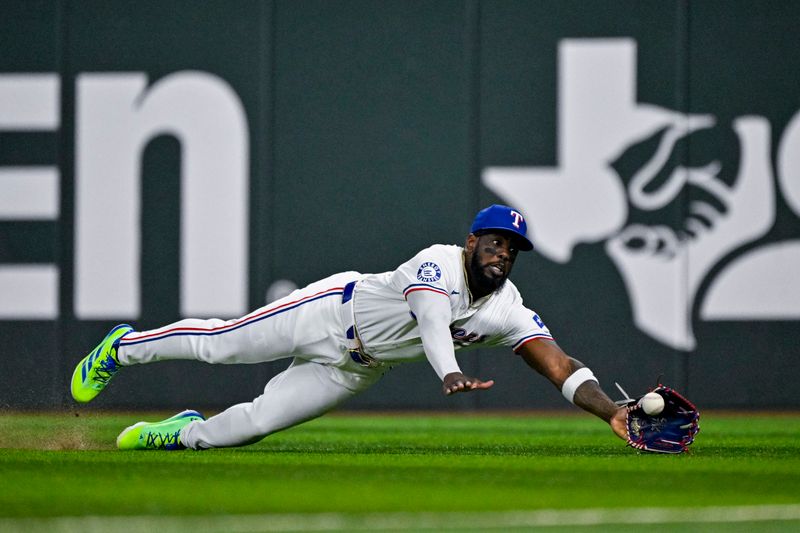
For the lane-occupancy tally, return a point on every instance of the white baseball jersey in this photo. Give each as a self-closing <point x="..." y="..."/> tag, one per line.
<point x="388" y="330"/>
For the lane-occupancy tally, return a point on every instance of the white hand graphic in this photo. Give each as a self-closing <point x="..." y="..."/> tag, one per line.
<point x="655" y="262"/>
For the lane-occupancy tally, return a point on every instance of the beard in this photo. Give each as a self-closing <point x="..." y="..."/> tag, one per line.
<point x="481" y="279"/>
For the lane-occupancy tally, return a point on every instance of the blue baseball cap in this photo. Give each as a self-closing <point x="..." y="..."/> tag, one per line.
<point x="502" y="217"/>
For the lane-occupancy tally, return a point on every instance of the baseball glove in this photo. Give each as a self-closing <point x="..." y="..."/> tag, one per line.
<point x="670" y="431"/>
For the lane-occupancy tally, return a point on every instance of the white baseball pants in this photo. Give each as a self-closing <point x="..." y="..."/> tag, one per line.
<point x="306" y="325"/>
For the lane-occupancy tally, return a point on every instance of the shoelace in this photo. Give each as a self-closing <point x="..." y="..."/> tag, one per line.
<point x="106" y="370"/>
<point x="160" y="441"/>
<point x="627" y="398"/>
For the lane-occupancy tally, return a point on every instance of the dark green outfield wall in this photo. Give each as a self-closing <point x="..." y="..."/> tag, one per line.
<point x="168" y="159"/>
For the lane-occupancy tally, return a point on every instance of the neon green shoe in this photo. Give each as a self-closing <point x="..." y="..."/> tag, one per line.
<point x="164" y="435"/>
<point x="96" y="369"/>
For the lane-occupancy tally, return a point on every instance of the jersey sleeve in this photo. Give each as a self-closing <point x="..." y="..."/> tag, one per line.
<point x="433" y="319"/>
<point x="523" y="326"/>
<point x="429" y="270"/>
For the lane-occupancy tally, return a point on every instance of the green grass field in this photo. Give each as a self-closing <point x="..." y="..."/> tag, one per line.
<point x="402" y="472"/>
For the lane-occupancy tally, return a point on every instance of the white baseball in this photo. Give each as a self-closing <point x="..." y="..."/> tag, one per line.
<point x="652" y="403"/>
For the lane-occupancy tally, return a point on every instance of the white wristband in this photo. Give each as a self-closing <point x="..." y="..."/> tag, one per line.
<point x="575" y="380"/>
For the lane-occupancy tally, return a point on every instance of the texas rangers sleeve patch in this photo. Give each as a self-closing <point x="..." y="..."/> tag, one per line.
<point x="429" y="272"/>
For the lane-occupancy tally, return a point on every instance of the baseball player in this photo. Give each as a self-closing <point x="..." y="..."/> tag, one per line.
<point x="345" y="331"/>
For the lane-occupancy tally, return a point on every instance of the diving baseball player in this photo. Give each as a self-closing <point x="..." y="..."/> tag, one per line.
<point x="345" y="331"/>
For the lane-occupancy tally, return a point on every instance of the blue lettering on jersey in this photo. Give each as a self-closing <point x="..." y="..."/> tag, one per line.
<point x="429" y="272"/>
<point x="460" y="336"/>
<point x="538" y="321"/>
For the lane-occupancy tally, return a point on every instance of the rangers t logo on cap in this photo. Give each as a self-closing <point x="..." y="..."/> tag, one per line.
<point x="517" y="218"/>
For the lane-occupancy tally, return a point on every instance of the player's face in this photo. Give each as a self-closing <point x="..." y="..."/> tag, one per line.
<point x="492" y="257"/>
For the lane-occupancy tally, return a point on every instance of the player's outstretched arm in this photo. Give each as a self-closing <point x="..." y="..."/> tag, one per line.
<point x="433" y="314"/>
<point x="575" y="381"/>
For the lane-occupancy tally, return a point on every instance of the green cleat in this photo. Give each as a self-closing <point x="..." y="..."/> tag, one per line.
<point x="96" y="369"/>
<point x="164" y="435"/>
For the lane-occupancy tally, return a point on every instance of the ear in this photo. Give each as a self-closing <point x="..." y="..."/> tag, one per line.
<point x="470" y="243"/>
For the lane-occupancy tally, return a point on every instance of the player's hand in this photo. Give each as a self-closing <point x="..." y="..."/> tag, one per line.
<point x="619" y="423"/>
<point x="458" y="382"/>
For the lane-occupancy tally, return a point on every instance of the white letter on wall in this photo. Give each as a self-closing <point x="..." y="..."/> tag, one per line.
<point x="29" y="102"/>
<point x="117" y="115"/>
